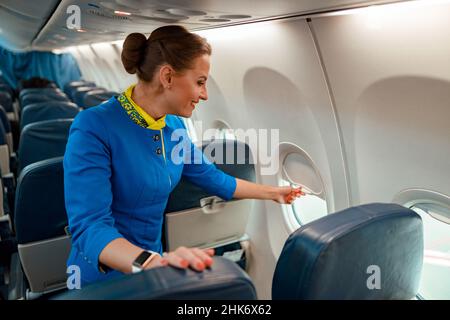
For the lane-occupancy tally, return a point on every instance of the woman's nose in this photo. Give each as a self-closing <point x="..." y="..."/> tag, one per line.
<point x="204" y="93"/>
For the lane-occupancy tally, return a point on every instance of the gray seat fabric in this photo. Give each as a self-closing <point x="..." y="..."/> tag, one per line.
<point x="341" y="255"/>
<point x="43" y="140"/>
<point x="48" y="111"/>
<point x="223" y="281"/>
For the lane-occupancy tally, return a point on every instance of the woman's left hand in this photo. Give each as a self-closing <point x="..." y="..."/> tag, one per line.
<point x="287" y="195"/>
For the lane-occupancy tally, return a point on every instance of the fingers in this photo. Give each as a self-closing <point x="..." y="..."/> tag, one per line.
<point x="294" y="194"/>
<point x="158" y="262"/>
<point x="195" y="258"/>
<point x="176" y="260"/>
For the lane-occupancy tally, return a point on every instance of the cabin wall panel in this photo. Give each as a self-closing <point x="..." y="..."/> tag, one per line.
<point x="268" y="76"/>
<point x="389" y="73"/>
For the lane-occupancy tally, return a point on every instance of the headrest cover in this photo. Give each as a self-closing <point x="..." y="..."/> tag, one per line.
<point x="372" y="251"/>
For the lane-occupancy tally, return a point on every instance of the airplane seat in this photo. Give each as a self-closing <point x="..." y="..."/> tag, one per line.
<point x="96" y="97"/>
<point x="195" y="218"/>
<point x="7" y="126"/>
<point x="40" y="222"/>
<point x="7" y="103"/>
<point x="45" y="91"/>
<point x="48" y="111"/>
<point x="372" y="251"/>
<point x="4" y="152"/>
<point x="79" y="93"/>
<point x="223" y="281"/>
<point x="71" y="86"/>
<point x="6" y="88"/>
<point x="43" y="140"/>
<point x="41" y="97"/>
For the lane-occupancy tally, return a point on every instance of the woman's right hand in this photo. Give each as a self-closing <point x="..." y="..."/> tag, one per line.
<point x="195" y="258"/>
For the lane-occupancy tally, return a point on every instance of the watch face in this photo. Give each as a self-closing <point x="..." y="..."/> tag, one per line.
<point x="142" y="258"/>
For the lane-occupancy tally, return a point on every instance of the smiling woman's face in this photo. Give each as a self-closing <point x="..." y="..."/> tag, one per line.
<point x="189" y="87"/>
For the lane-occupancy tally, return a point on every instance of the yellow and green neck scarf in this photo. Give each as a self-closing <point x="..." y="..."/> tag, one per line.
<point x="137" y="114"/>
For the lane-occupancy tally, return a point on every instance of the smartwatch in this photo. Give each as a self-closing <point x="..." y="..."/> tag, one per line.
<point x="142" y="260"/>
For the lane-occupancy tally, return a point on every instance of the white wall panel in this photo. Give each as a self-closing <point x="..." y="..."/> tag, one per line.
<point x="390" y="75"/>
<point x="268" y="76"/>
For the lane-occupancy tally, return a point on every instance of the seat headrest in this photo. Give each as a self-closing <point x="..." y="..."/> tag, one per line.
<point x="187" y="195"/>
<point x="25" y="92"/>
<point x="39" y="97"/>
<point x="43" y="140"/>
<point x="40" y="212"/>
<point x="223" y="281"/>
<point x="96" y="97"/>
<point x="48" y="111"/>
<point x="372" y="251"/>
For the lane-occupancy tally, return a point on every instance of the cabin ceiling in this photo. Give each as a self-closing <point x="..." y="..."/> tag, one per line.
<point x="42" y="25"/>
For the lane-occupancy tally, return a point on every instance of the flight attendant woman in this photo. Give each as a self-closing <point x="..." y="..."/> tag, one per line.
<point x="118" y="169"/>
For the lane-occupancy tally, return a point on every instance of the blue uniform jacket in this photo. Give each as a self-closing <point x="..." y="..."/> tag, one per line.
<point x="117" y="181"/>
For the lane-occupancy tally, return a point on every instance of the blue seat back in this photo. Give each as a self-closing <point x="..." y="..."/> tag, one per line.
<point x="4" y="120"/>
<point x="40" y="97"/>
<point x="186" y="195"/>
<point x="6" y="88"/>
<point x="40" y="212"/>
<point x="96" y="97"/>
<point x="71" y="87"/>
<point x="43" y="140"/>
<point x="6" y="101"/>
<point x="45" y="91"/>
<point x="48" y="111"/>
<point x="79" y="93"/>
<point x="372" y="251"/>
<point x="40" y="220"/>
<point x="223" y="281"/>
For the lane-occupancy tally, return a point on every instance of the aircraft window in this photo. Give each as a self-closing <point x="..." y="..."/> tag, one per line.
<point x="299" y="170"/>
<point x="435" y="282"/>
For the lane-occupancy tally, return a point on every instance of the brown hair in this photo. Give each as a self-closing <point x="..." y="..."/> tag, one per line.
<point x="169" y="44"/>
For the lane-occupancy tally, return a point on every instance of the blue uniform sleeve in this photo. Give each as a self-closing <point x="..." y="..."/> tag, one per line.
<point x="87" y="186"/>
<point x="199" y="170"/>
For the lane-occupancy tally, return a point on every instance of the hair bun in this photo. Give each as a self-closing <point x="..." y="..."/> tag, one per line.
<point x="133" y="51"/>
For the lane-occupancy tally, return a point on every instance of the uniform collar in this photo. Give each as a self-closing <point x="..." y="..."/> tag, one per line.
<point x="137" y="114"/>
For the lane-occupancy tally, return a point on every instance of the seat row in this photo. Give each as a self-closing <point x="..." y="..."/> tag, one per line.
<point x="42" y="118"/>
<point x="330" y="258"/>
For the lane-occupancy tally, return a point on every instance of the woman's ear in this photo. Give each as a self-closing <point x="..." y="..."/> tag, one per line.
<point x="166" y="74"/>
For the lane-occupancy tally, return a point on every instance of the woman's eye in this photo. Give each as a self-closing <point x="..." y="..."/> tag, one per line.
<point x="200" y="83"/>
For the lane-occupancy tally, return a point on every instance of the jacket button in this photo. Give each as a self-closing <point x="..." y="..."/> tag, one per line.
<point x="158" y="151"/>
<point x="156" y="137"/>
